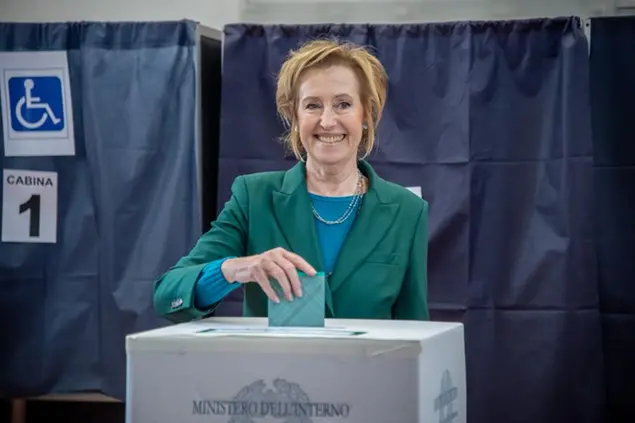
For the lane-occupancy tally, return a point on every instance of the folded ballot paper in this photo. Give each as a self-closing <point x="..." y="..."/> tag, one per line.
<point x="305" y="311"/>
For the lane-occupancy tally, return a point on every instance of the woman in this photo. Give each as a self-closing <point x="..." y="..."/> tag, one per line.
<point x="331" y="212"/>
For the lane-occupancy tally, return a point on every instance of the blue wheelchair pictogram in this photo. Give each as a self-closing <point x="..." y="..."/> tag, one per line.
<point x="36" y="104"/>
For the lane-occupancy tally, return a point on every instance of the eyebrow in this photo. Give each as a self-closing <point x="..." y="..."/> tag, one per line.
<point x="309" y="98"/>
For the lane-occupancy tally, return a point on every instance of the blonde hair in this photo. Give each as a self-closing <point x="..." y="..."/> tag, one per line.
<point x="371" y="75"/>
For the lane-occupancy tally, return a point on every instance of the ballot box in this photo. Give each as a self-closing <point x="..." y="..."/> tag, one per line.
<point x="239" y="370"/>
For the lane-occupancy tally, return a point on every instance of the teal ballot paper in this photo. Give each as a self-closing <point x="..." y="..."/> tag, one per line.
<point x="305" y="311"/>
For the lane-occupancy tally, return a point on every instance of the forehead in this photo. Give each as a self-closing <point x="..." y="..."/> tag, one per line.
<point x="328" y="82"/>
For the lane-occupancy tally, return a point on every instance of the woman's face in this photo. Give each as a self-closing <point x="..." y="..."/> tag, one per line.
<point x="330" y="114"/>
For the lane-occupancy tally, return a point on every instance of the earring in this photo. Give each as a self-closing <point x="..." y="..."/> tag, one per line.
<point x="364" y="126"/>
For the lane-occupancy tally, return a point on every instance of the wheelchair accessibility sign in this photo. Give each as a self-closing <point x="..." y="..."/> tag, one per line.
<point x="36" y="104"/>
<point x="31" y="112"/>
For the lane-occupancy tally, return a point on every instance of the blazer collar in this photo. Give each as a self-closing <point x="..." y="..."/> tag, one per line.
<point x="295" y="178"/>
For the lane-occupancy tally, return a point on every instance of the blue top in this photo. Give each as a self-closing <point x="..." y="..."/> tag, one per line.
<point x="212" y="286"/>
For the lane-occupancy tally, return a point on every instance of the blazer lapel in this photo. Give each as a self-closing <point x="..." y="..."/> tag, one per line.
<point x="375" y="217"/>
<point x="292" y="208"/>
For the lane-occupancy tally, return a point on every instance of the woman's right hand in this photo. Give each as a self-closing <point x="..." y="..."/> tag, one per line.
<point x="278" y="263"/>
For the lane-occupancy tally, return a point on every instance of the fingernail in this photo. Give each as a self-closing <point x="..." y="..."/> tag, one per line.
<point x="299" y="293"/>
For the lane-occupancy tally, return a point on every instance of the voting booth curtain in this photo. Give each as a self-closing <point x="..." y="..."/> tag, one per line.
<point x="491" y="121"/>
<point x="125" y="205"/>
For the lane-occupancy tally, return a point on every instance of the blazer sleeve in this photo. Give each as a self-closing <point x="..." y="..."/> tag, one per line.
<point x="412" y="303"/>
<point x="174" y="291"/>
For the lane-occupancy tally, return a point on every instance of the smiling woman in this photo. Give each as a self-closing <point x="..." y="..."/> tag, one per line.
<point x="330" y="213"/>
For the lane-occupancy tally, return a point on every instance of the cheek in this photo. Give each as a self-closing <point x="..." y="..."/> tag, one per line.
<point x="306" y="129"/>
<point x="354" y="129"/>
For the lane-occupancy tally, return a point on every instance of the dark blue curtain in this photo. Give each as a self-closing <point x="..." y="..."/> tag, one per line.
<point x="612" y="94"/>
<point x="492" y="120"/>
<point x="128" y="206"/>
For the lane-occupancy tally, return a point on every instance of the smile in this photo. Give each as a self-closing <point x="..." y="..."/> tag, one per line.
<point x="330" y="139"/>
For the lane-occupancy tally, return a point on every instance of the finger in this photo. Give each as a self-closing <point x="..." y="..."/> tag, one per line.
<point x="261" y="278"/>
<point x="300" y="263"/>
<point x="292" y="275"/>
<point x="272" y="269"/>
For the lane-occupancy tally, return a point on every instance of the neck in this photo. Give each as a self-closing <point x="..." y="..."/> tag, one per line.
<point x="331" y="180"/>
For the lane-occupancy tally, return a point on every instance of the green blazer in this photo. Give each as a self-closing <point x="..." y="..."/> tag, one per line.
<point x="381" y="272"/>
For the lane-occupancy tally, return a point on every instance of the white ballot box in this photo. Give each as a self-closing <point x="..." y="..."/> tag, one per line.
<point x="238" y="370"/>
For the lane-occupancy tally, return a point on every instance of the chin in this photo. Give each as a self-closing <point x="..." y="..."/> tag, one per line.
<point x="331" y="158"/>
<point x="333" y="153"/>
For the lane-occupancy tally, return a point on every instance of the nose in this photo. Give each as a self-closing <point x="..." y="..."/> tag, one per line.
<point x="327" y="119"/>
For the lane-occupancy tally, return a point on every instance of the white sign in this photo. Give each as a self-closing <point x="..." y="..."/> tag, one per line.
<point x="415" y="190"/>
<point x="29" y="206"/>
<point x="37" y="113"/>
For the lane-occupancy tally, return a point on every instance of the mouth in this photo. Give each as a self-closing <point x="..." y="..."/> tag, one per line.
<point x="330" y="139"/>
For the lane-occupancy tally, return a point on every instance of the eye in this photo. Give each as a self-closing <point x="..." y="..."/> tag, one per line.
<point x="344" y="105"/>
<point x="311" y="106"/>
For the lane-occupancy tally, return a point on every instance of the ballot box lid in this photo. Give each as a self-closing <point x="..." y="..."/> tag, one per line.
<point x="338" y="335"/>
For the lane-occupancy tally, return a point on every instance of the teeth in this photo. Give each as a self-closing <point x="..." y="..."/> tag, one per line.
<point x="330" y="139"/>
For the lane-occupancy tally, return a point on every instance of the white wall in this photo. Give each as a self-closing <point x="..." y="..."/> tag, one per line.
<point x="212" y="13"/>
<point x="378" y="11"/>
<point x="216" y="13"/>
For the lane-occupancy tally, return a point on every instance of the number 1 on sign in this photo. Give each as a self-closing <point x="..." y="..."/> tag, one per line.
<point x="32" y="205"/>
<point x="29" y="206"/>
